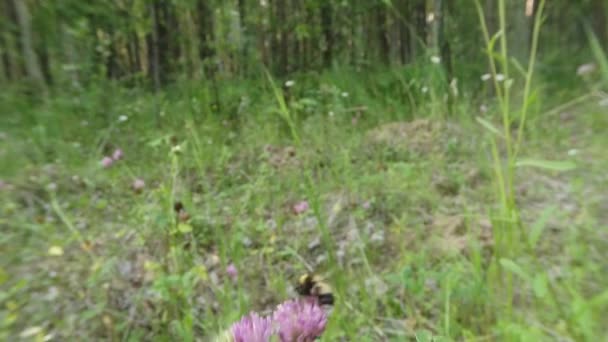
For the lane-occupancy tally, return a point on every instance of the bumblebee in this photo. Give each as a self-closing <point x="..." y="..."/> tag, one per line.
<point x="312" y="285"/>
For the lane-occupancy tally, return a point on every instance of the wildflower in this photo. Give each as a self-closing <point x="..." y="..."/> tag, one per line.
<point x="572" y="152"/>
<point x="117" y="155"/>
<point x="177" y="149"/>
<point x="52" y="186"/>
<point x="232" y="272"/>
<point x="585" y="69"/>
<point x="486" y="77"/>
<point x="300" y="207"/>
<point x="300" y="320"/>
<point x="366" y="205"/>
<point x="252" y="328"/>
<point x="435" y="59"/>
<point x="123" y="118"/>
<point x="107" y="162"/>
<point x="290" y="83"/>
<point x="138" y="185"/>
<point x="500" y="77"/>
<point x="344" y="94"/>
<point x="424" y="89"/>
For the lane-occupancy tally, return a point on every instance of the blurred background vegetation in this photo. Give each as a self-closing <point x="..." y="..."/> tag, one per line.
<point x="441" y="162"/>
<point x="73" y="44"/>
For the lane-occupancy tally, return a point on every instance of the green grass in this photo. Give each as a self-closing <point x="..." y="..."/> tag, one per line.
<point x="411" y="230"/>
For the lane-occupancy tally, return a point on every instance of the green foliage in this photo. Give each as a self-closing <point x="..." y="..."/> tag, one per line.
<point x="479" y="225"/>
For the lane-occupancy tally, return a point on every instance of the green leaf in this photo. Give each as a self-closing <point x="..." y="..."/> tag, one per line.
<point x="488" y="125"/>
<point x="518" y="67"/>
<point x="539" y="285"/>
<point x="3" y="276"/>
<point x="552" y="165"/>
<point x="514" y="268"/>
<point x="493" y="40"/>
<point x="598" y="52"/>
<point x="184" y="228"/>
<point x="424" y="336"/>
<point x="538" y="226"/>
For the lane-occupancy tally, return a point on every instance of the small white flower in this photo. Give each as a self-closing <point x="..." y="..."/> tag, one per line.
<point x="344" y="94"/>
<point x="585" y="69"/>
<point x="486" y="77"/>
<point x="424" y="89"/>
<point x="483" y="108"/>
<point x="84" y="123"/>
<point x="500" y="77"/>
<point x="52" y="186"/>
<point x="290" y="83"/>
<point x="123" y="118"/>
<point x="331" y="113"/>
<point x="435" y="59"/>
<point x="430" y="17"/>
<point x="572" y="152"/>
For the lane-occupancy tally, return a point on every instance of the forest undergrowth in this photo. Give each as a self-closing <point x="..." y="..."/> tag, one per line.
<point x="394" y="204"/>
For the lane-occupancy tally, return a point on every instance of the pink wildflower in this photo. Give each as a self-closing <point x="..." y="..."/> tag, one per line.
<point x="252" y="328"/>
<point x="138" y="185"/>
<point x="232" y="272"/>
<point x="300" y="320"/>
<point x="117" y="155"/>
<point x="107" y="162"/>
<point x="300" y="207"/>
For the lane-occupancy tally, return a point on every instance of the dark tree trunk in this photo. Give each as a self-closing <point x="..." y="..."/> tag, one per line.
<point x="112" y="66"/>
<point x="328" y="35"/>
<point x="164" y="51"/>
<point x="404" y="32"/>
<point x="381" y="27"/>
<point x="283" y="38"/>
<point x="152" y="49"/>
<point x="307" y="41"/>
<point x="205" y="29"/>
<point x="420" y="22"/>
<point x="45" y="63"/>
<point x="274" y="35"/>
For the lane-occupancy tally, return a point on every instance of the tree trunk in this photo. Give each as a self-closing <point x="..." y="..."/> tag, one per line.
<point x="205" y="29"/>
<point x="327" y="28"/>
<point x="153" y="53"/>
<point x="32" y="63"/>
<point x="245" y="37"/>
<point x="404" y="32"/>
<point x="283" y="43"/>
<point x="383" y="40"/>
